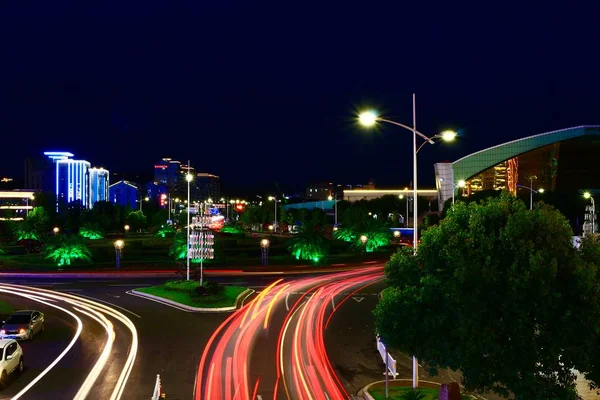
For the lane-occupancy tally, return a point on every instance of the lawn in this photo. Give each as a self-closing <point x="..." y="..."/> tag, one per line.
<point x="5" y="308"/>
<point x="183" y="292"/>
<point x="396" y="392"/>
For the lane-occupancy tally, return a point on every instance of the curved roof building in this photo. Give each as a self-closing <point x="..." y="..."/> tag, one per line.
<point x="562" y="160"/>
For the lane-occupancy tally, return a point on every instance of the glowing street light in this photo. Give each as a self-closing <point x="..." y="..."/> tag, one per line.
<point x="189" y="178"/>
<point x="363" y="239"/>
<point x="334" y="197"/>
<point x="56" y="229"/>
<point x="460" y="184"/>
<point x="126" y="227"/>
<point x="119" y="244"/>
<point x="264" y="251"/>
<point x="368" y="118"/>
<point x="274" y="199"/>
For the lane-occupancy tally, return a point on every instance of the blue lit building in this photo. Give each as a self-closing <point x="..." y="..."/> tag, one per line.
<point x="167" y="172"/>
<point x="124" y="193"/>
<point x="99" y="183"/>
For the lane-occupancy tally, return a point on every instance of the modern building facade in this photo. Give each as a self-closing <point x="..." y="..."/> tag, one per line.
<point x="367" y="194"/>
<point x="564" y="161"/>
<point x="73" y="181"/>
<point x="207" y="186"/>
<point x="167" y="172"/>
<point x="15" y="204"/>
<point x="124" y="193"/>
<point x="99" y="183"/>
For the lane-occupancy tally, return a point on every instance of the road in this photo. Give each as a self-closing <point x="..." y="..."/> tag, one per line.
<point x="70" y="359"/>
<point x="274" y="346"/>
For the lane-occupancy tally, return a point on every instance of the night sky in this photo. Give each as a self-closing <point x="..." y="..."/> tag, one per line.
<point x="265" y="92"/>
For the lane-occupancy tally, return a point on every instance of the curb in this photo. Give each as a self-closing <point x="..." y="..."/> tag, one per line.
<point x="158" y="299"/>
<point x="364" y="392"/>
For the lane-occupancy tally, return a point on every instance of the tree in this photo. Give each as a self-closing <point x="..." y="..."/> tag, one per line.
<point x="309" y="243"/>
<point x="136" y="220"/>
<point x="64" y="249"/>
<point x="34" y="227"/>
<point x="92" y="232"/>
<point x="178" y="249"/>
<point x="498" y="292"/>
<point x="165" y="231"/>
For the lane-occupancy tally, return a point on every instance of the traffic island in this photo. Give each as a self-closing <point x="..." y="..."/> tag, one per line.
<point x="398" y="389"/>
<point x="188" y="295"/>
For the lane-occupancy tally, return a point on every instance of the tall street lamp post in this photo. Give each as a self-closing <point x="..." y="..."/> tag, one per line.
<point x="407" y="200"/>
<point x="588" y="195"/>
<point x="334" y="198"/>
<point x="274" y="199"/>
<point x="531" y="192"/>
<point x="189" y="179"/>
<point x="369" y="119"/>
<point x="119" y="244"/>
<point x="264" y="251"/>
<point x="460" y="184"/>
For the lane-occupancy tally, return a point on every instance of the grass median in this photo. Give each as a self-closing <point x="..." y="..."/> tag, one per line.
<point x="185" y="292"/>
<point x="5" y="308"/>
<point x="398" y="393"/>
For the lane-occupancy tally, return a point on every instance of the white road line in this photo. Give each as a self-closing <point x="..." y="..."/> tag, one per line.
<point x="287" y="307"/>
<point x="158" y="301"/>
<point x="69" y="290"/>
<point x="61" y="355"/>
<point x="109" y="303"/>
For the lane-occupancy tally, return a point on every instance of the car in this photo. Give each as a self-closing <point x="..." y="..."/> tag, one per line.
<point x="12" y="359"/>
<point x="22" y="325"/>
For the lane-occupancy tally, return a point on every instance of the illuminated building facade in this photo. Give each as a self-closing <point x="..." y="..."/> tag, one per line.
<point x="207" y="186"/>
<point x="99" y="183"/>
<point x="124" y="193"/>
<point x="72" y="181"/>
<point x="167" y="172"/>
<point x="15" y="204"/>
<point x="562" y="161"/>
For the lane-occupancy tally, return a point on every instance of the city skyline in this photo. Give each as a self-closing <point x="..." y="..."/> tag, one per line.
<point x="275" y="94"/>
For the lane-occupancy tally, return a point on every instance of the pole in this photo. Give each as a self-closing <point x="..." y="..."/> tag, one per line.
<point x="387" y="356"/>
<point x="593" y="215"/>
<point x="169" y="205"/>
<point x="453" y="190"/>
<point x="118" y="258"/>
<point x="187" y="252"/>
<point x="406" y="219"/>
<point x="202" y="247"/>
<point x="335" y="206"/>
<point x="275" y="222"/>
<point x="415" y="223"/>
<point x="531" y="193"/>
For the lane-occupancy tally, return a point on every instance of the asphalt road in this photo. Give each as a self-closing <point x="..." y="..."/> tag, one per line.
<point x="69" y="373"/>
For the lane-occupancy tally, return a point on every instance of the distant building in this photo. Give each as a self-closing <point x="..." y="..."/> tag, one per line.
<point x="319" y="191"/>
<point x="7" y="183"/>
<point x="40" y="172"/>
<point x="124" y="193"/>
<point x="15" y="204"/>
<point x="99" y="183"/>
<point x="167" y="172"/>
<point x="207" y="186"/>
<point x="72" y="181"/>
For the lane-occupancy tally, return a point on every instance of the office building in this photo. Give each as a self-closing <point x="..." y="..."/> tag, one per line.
<point x="124" y="193"/>
<point x="167" y="172"/>
<point x="73" y="181"/>
<point x="206" y="186"/>
<point x="15" y="204"/>
<point x="99" y="183"/>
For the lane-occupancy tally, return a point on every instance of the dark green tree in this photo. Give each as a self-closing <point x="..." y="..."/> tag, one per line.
<point x="64" y="249"/>
<point x="136" y="220"/>
<point x="499" y="293"/>
<point x="34" y="227"/>
<point x="309" y="243"/>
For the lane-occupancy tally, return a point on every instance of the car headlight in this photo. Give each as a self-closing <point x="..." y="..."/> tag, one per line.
<point x="22" y="331"/>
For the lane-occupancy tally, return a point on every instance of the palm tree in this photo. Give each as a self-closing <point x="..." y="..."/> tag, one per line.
<point x="34" y="226"/>
<point x="309" y="243"/>
<point x="377" y="233"/>
<point x="64" y="249"/>
<point x="91" y="232"/>
<point x="178" y="249"/>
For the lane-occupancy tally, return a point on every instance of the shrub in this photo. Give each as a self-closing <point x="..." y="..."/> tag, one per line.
<point x="412" y="395"/>
<point x="213" y="288"/>
<point x="200" y="291"/>
<point x="182" y="286"/>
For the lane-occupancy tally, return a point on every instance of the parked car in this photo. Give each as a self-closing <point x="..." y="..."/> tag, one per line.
<point x="22" y="325"/>
<point x="11" y="361"/>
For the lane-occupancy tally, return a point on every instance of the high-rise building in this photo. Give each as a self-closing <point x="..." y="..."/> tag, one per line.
<point x="99" y="183"/>
<point x="72" y="181"/>
<point x="167" y="172"/>
<point x="124" y="193"/>
<point x="207" y="186"/>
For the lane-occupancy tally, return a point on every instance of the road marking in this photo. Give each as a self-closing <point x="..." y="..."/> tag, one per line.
<point x="69" y="290"/>
<point x="113" y="295"/>
<point x="159" y="302"/>
<point x="107" y="302"/>
<point x="358" y="299"/>
<point x="333" y="302"/>
<point x="287" y="307"/>
<point x="130" y="284"/>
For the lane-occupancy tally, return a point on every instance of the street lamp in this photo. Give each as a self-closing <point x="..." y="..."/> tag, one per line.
<point x="273" y="198"/>
<point x="264" y="251"/>
<point x="119" y="244"/>
<point x="397" y="236"/>
<point x="588" y="195"/>
<point x="531" y="191"/>
<point x="188" y="177"/>
<point x="460" y="184"/>
<point x="370" y="119"/>
<point x="334" y="206"/>
<point x="126" y="227"/>
<point x="56" y="230"/>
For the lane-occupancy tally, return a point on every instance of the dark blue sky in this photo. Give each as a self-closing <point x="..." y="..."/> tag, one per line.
<point x="259" y="92"/>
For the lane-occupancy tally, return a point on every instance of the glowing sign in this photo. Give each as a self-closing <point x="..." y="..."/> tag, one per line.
<point x="160" y="167"/>
<point x="239" y="207"/>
